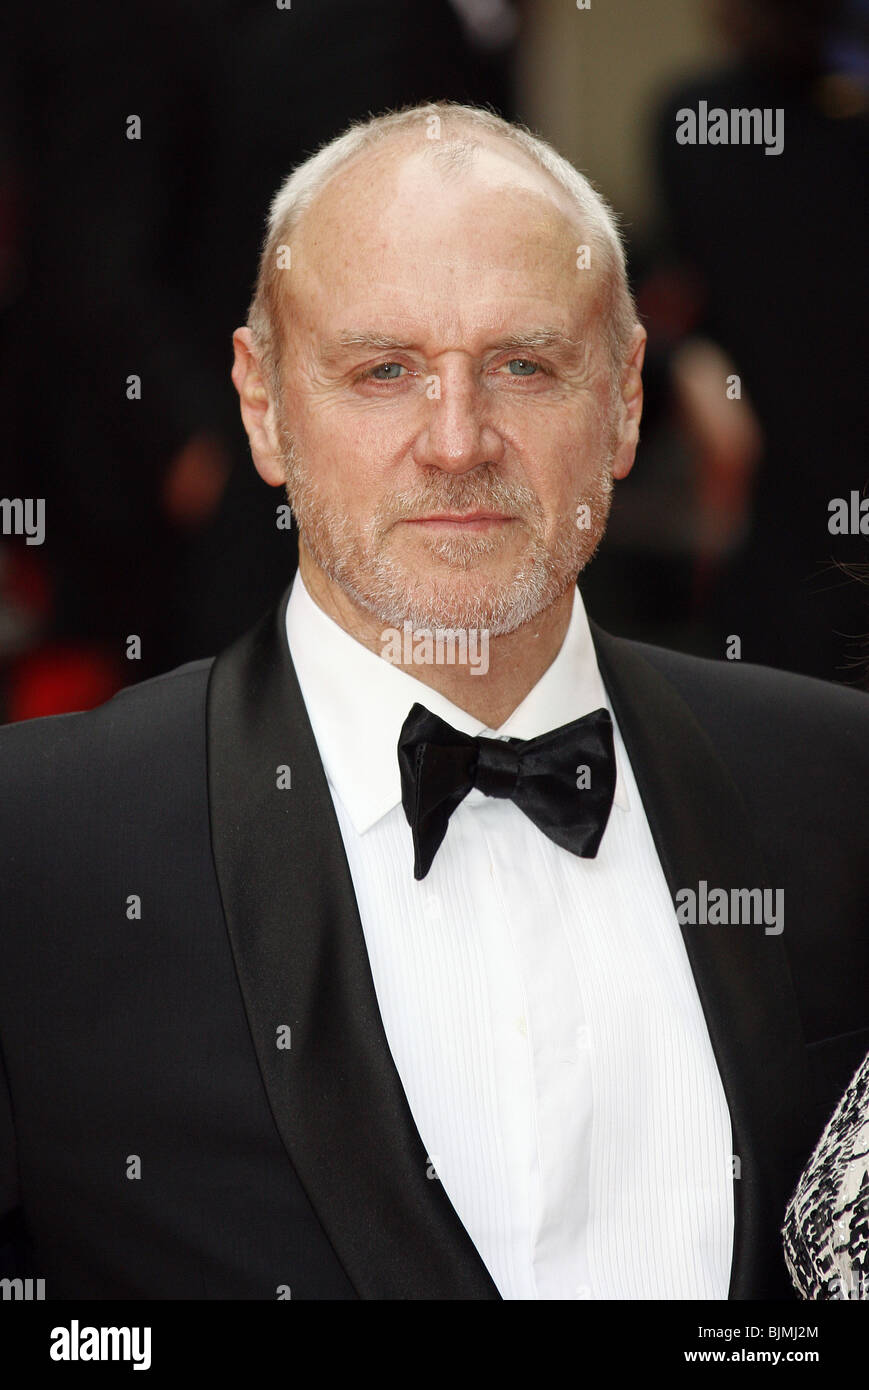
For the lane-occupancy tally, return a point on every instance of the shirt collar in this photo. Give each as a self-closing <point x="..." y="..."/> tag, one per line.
<point x="357" y="703"/>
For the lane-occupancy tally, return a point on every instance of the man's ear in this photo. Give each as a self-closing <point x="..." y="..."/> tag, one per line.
<point x="631" y="404"/>
<point x="257" y="409"/>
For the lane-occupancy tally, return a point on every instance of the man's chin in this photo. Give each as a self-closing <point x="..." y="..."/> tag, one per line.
<point x="479" y="599"/>
<point x="492" y="553"/>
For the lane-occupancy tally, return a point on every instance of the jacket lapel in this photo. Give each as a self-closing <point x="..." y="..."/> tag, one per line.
<point x="701" y="832"/>
<point x="300" y="954"/>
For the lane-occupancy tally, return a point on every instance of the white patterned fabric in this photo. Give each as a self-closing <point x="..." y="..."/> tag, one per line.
<point x="826" y="1233"/>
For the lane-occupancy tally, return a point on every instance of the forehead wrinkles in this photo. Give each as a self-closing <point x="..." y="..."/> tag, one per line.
<point x="441" y="303"/>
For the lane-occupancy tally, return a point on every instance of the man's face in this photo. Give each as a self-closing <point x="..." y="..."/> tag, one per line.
<point x="446" y="422"/>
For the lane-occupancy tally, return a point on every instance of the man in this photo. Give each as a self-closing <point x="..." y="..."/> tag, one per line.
<point x="385" y="956"/>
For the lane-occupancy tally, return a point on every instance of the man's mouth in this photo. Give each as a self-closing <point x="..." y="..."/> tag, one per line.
<point x="468" y="521"/>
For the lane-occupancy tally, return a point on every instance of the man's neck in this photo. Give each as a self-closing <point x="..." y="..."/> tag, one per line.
<point x="490" y="689"/>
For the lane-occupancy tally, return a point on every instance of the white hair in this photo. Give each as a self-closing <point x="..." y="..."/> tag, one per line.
<point x="307" y="180"/>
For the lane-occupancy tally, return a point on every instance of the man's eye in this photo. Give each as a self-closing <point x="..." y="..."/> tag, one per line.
<point x="521" y="366"/>
<point x="390" y="371"/>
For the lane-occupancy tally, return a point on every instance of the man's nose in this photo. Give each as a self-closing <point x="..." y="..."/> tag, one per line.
<point x="457" y="433"/>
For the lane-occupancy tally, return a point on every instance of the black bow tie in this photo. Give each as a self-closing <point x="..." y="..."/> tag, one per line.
<point x="564" y="780"/>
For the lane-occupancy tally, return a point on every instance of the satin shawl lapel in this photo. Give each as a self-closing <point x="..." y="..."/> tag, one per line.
<point x="300" y="954"/>
<point x="700" y="828"/>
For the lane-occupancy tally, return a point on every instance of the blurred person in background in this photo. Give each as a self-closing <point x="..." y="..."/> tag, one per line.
<point x="771" y="252"/>
<point x="109" y="410"/>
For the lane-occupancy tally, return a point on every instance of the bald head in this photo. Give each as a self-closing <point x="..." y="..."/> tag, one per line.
<point x="436" y="163"/>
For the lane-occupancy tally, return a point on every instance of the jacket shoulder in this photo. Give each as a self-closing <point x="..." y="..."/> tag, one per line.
<point x="141" y="721"/>
<point x="721" y="681"/>
<point x="771" y="716"/>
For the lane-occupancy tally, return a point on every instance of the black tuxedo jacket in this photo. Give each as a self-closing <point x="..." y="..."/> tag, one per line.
<point x="156" y="1142"/>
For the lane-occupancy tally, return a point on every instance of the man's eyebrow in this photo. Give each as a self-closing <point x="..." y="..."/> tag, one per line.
<point x="539" y="340"/>
<point x="544" y="339"/>
<point x="337" y="347"/>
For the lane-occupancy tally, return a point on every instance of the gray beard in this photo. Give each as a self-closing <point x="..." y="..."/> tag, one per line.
<point x="353" y="556"/>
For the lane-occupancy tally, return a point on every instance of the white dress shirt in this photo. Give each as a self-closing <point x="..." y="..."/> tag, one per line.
<point x="539" y="1007"/>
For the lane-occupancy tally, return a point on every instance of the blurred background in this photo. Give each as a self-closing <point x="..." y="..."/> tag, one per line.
<point x="126" y="263"/>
